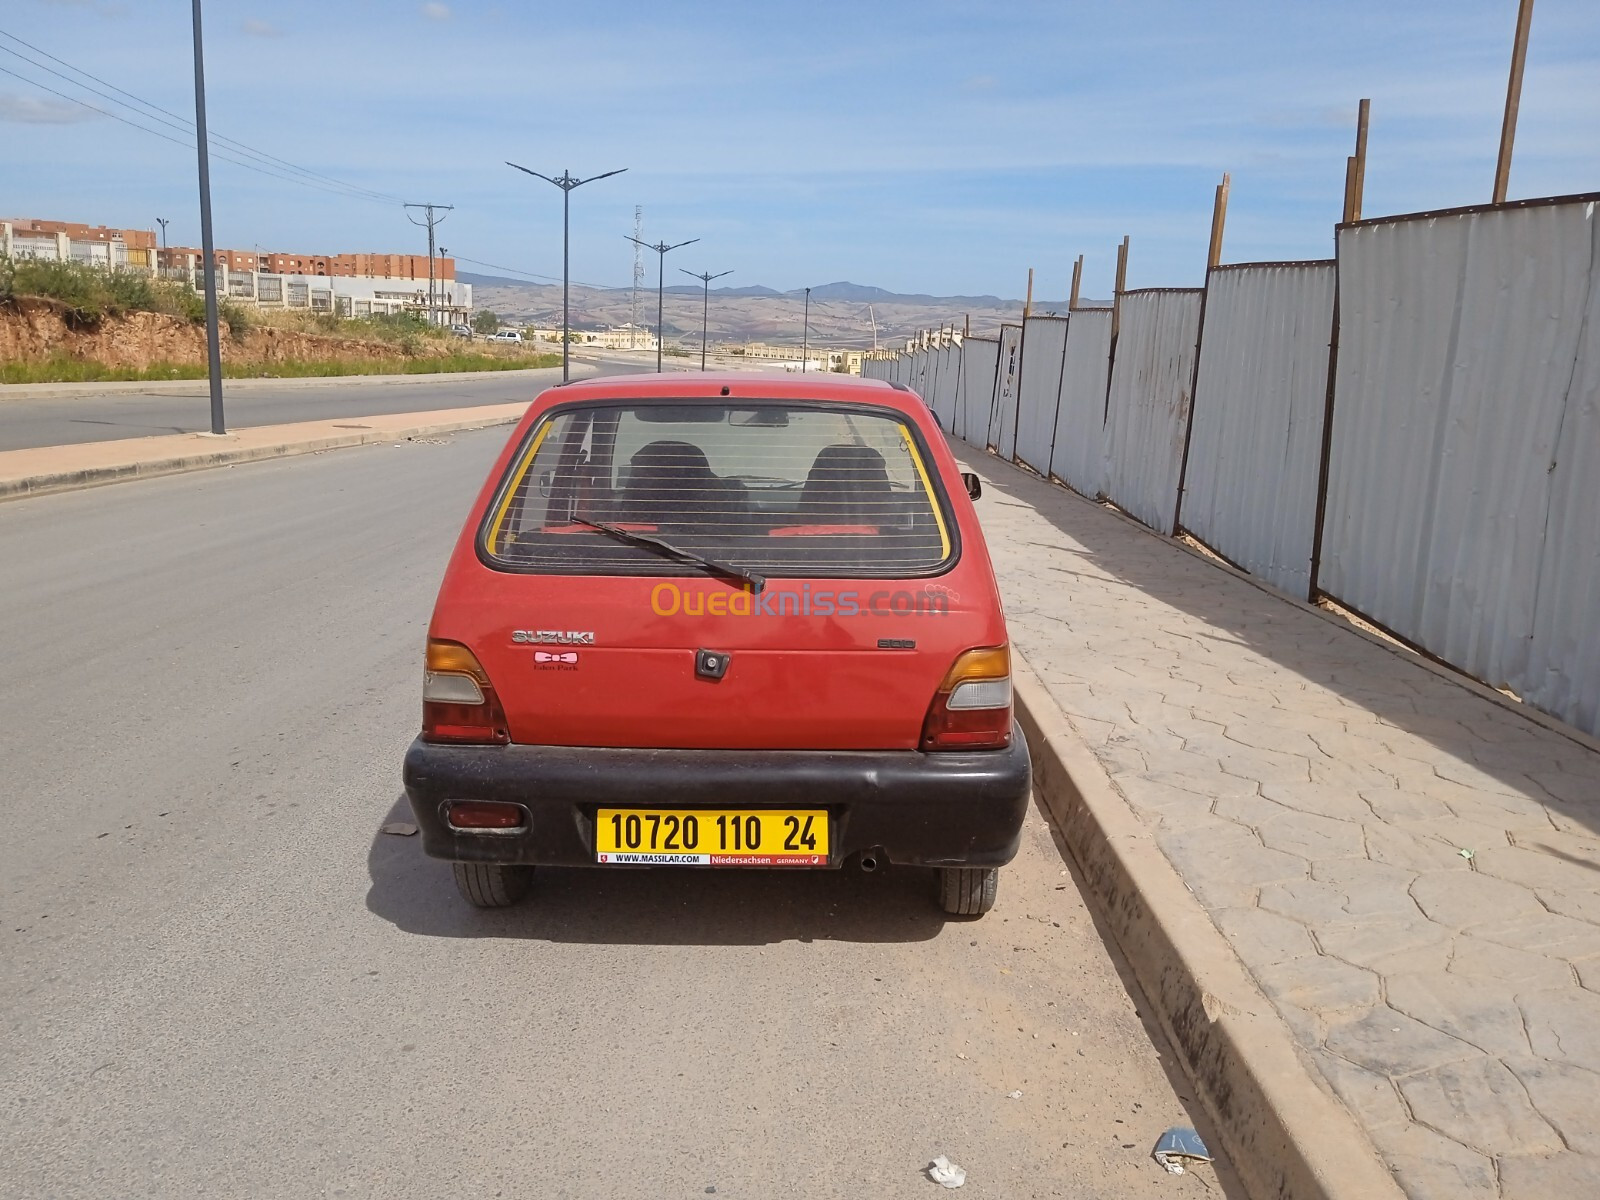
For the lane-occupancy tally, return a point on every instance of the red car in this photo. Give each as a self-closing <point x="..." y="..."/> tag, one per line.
<point x="721" y="621"/>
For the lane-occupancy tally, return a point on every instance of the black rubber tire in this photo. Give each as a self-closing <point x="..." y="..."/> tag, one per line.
<point x="968" y="891"/>
<point x="492" y="885"/>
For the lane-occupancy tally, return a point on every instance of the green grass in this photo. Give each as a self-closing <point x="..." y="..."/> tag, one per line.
<point x="71" y="370"/>
<point x="93" y="293"/>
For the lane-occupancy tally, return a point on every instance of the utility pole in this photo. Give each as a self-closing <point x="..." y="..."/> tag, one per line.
<point x="430" y="220"/>
<point x="207" y="242"/>
<point x="566" y="181"/>
<point x="705" y="306"/>
<point x="871" y="317"/>
<point x="661" y="249"/>
<point x="162" y="221"/>
<point x="805" y="335"/>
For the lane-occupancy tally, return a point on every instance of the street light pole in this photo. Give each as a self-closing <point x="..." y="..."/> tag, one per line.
<point x="566" y="181"/>
<point x="705" y="306"/>
<point x="207" y="242"/>
<point x="661" y="249"/>
<point x="805" y="337"/>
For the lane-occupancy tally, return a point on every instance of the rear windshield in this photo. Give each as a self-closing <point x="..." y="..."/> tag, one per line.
<point x="779" y="488"/>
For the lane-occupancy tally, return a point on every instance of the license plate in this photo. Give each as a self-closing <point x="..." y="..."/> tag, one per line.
<point x="711" y="837"/>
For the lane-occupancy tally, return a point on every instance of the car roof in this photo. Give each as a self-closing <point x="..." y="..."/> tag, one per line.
<point x="736" y="385"/>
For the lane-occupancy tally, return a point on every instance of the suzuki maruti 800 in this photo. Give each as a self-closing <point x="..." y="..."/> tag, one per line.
<point x="721" y="621"/>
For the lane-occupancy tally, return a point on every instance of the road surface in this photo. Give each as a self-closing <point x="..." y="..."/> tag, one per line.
<point x="97" y="417"/>
<point x="220" y="978"/>
<point x="29" y="421"/>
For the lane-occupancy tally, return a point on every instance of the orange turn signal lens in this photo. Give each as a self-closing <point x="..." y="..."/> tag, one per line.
<point x="452" y="658"/>
<point x="989" y="662"/>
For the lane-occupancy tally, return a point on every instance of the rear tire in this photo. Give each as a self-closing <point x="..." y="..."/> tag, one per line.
<point x="968" y="891"/>
<point x="492" y="885"/>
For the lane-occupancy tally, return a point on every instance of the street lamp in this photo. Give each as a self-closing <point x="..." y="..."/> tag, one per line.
<point x="566" y="182"/>
<point x="705" y="306"/>
<point x="805" y="337"/>
<point x="661" y="249"/>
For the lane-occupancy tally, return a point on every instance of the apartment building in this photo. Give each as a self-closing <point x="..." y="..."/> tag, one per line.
<point x="355" y="285"/>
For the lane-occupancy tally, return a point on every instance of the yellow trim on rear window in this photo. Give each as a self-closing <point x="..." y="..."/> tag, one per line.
<point x="927" y="485"/>
<point x="493" y="539"/>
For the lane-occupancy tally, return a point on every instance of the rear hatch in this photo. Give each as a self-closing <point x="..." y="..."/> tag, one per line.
<point x="777" y="575"/>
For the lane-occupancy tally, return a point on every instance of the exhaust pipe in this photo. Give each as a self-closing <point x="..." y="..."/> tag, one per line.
<point x="869" y="862"/>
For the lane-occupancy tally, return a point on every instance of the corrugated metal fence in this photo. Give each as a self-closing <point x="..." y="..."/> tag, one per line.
<point x="1152" y="377"/>
<point x="1458" y="483"/>
<point x="1044" y="340"/>
<point x="1463" y="506"/>
<point x="1079" y="455"/>
<point x="1255" y="441"/>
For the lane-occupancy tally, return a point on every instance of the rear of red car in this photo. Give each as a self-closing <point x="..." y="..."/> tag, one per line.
<point x="720" y="620"/>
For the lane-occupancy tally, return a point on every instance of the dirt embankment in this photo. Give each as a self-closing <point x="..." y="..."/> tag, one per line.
<point x="36" y="330"/>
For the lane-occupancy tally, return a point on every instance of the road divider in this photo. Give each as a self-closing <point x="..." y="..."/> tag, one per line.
<point x="45" y="469"/>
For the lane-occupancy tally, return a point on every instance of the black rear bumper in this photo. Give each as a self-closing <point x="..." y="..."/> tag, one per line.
<point x="944" y="809"/>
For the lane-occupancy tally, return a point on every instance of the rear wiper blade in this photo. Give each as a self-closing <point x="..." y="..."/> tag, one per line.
<point x="757" y="583"/>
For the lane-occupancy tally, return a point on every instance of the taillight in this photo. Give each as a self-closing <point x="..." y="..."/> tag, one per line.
<point x="458" y="701"/>
<point x="972" y="708"/>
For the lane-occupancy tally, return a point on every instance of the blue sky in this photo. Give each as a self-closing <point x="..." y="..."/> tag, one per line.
<point x="926" y="147"/>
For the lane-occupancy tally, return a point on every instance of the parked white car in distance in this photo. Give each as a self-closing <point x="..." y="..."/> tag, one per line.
<point x="505" y="335"/>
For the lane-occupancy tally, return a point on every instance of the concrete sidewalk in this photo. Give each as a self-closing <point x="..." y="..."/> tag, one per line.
<point x="63" y="468"/>
<point x="1407" y="869"/>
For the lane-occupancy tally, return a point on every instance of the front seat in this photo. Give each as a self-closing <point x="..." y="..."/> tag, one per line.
<point x="671" y="485"/>
<point x="847" y="485"/>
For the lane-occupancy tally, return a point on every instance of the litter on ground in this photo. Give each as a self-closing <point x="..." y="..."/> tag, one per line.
<point x="1179" y="1146"/>
<point x="945" y="1173"/>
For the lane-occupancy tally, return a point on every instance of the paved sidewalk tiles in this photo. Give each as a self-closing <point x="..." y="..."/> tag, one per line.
<point x="1409" y="870"/>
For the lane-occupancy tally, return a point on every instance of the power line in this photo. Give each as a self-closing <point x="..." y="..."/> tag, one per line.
<point x="603" y="287"/>
<point x="183" y="125"/>
<point x="187" y="145"/>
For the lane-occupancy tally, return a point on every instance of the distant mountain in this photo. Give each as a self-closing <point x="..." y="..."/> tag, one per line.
<point x="858" y="293"/>
<point x="690" y="289"/>
<point x="839" y="312"/>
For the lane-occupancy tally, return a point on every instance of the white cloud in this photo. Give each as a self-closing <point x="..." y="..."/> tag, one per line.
<point x="436" y="11"/>
<point x="257" y="28"/>
<point x="36" y="110"/>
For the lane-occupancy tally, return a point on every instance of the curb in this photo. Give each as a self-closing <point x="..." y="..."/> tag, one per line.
<point x="1285" y="1136"/>
<point x="67" y="481"/>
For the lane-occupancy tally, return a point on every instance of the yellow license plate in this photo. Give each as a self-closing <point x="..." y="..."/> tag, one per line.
<point x="711" y="837"/>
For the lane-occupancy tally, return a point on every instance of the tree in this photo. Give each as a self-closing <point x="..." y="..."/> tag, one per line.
<point x="485" y="321"/>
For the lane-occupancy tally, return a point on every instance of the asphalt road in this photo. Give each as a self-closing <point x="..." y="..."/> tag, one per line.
<point x="60" y="420"/>
<point x="99" y="417"/>
<point x="220" y="979"/>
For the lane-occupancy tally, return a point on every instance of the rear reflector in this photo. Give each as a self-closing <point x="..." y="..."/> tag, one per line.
<point x="458" y="701"/>
<point x="483" y="814"/>
<point x="972" y="708"/>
